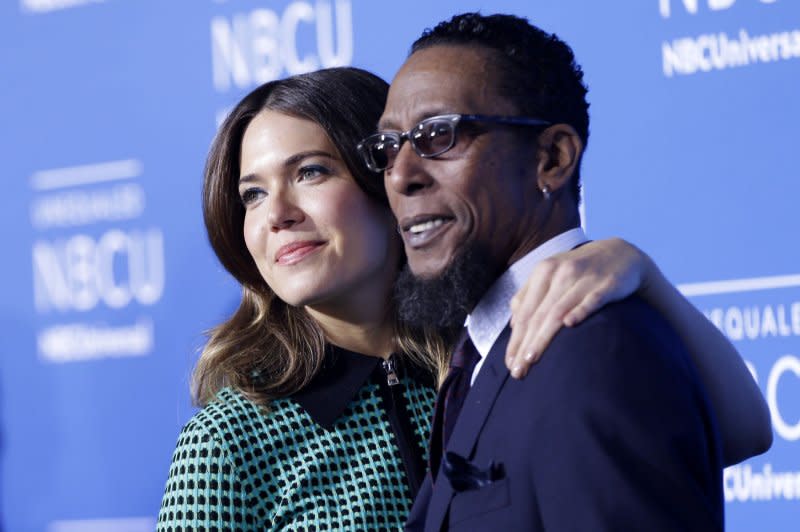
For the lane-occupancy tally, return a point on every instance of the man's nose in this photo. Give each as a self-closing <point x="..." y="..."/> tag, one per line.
<point x="407" y="176"/>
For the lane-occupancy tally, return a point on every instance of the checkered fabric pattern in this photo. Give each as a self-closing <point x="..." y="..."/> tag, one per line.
<point x="236" y="468"/>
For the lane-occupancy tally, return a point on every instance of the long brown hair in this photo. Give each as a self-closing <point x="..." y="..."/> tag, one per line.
<point x="268" y="349"/>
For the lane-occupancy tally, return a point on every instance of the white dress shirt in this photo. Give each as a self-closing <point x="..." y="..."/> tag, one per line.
<point x="493" y="312"/>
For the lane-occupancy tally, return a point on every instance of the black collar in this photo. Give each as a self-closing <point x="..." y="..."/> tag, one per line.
<point x="342" y="375"/>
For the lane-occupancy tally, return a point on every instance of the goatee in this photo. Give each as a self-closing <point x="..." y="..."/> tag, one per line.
<point x="445" y="301"/>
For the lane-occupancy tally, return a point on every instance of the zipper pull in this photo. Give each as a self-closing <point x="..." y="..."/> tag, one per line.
<point x="391" y="371"/>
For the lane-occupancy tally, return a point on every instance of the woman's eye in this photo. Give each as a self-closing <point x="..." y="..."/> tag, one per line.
<point x="311" y="172"/>
<point x="251" y="195"/>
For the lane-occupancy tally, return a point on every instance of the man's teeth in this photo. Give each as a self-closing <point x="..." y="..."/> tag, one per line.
<point x="425" y="226"/>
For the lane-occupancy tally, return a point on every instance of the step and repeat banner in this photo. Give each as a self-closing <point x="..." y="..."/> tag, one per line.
<point x="108" y="108"/>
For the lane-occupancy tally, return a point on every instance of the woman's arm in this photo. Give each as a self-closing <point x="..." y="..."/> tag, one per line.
<point x="203" y="490"/>
<point x="742" y="413"/>
<point x="565" y="289"/>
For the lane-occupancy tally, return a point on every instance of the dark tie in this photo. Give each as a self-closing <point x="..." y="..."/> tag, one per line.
<point x="451" y="397"/>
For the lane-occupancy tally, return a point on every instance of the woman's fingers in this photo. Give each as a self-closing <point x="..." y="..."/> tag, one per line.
<point x="564" y="290"/>
<point x="546" y="323"/>
<point x="525" y="304"/>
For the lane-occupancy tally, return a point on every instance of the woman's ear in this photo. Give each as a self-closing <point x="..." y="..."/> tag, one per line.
<point x="559" y="154"/>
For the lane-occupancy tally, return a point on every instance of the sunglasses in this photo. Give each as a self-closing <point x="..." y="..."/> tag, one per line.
<point x="429" y="138"/>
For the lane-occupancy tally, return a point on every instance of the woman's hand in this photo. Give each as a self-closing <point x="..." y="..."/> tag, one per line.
<point x="566" y="288"/>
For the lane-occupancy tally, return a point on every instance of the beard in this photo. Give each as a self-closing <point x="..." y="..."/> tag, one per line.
<point x="444" y="302"/>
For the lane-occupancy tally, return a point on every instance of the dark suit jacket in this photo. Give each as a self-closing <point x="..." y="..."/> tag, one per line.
<point x="611" y="430"/>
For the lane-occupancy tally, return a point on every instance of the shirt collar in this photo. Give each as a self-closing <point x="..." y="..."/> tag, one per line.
<point x="492" y="313"/>
<point x="342" y="375"/>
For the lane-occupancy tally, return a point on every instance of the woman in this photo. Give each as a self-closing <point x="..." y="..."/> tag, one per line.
<point x="316" y="401"/>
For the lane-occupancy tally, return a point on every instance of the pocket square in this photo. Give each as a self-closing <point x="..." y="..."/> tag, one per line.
<point x="465" y="476"/>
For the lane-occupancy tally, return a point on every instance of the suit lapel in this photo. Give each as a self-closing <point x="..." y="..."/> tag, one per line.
<point x="477" y="405"/>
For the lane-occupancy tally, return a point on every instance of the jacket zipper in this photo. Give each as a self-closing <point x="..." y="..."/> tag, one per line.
<point x="390" y="368"/>
<point x="399" y="420"/>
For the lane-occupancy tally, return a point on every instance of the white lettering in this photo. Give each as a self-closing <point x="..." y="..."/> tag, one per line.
<point x="84" y="207"/>
<point x="769" y="327"/>
<point x="115" y="295"/>
<point x="734" y="324"/>
<point x="782" y="428"/>
<point x="49" y="279"/>
<point x="740" y="483"/>
<point x="718" y="5"/>
<point x="256" y="47"/>
<point x="78" y="342"/>
<point x="78" y="259"/>
<point x="796" y="318"/>
<point x="690" y="6"/>
<point x="296" y="12"/>
<point x="783" y="326"/>
<point x="265" y="52"/>
<point x="344" y="31"/>
<point x="672" y="60"/>
<point x="753" y="323"/>
<point x="146" y="265"/>
<point x="75" y="274"/>
<point x="227" y="53"/>
<point x="718" y="51"/>
<point x="715" y="316"/>
<point x="784" y="46"/>
<point x="125" y="524"/>
<point x="752" y="318"/>
<point x="705" y="43"/>
<point x="664" y="7"/>
<point x="45" y="6"/>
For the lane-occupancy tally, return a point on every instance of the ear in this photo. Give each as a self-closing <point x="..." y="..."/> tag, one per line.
<point x="558" y="156"/>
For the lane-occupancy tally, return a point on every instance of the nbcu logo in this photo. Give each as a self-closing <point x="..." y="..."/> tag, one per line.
<point x="258" y="46"/>
<point x="665" y="6"/>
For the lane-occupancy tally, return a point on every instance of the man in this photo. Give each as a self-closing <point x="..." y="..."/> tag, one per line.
<point x="611" y="430"/>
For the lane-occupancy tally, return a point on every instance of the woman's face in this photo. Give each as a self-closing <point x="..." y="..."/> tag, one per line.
<point x="316" y="237"/>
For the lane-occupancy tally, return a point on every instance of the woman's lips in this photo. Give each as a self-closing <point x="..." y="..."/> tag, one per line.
<point x="296" y="251"/>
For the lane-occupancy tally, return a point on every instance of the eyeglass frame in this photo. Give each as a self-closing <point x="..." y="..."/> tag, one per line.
<point x="455" y="119"/>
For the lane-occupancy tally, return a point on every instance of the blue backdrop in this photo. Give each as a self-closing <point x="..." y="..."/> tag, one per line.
<point x="108" y="107"/>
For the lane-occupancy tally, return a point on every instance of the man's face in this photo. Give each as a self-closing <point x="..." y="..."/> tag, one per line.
<point x="477" y="193"/>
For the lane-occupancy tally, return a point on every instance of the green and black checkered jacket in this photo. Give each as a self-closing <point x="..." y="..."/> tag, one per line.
<point x="346" y="453"/>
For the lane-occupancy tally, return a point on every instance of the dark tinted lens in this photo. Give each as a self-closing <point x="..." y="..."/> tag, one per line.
<point x="379" y="150"/>
<point x="433" y="137"/>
